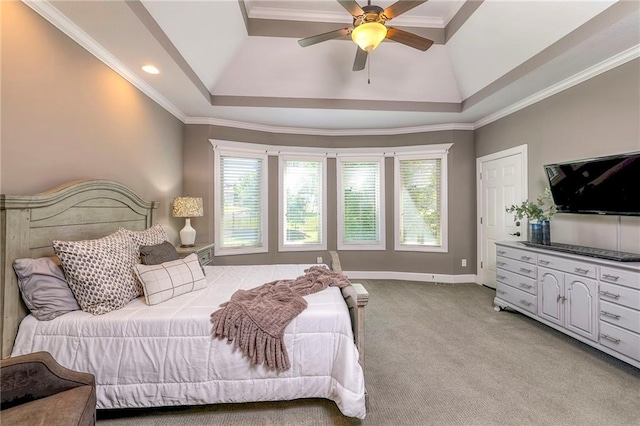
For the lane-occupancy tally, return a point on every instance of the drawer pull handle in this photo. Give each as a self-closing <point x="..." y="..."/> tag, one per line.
<point x="610" y="338"/>
<point x="526" y="271"/>
<point x="525" y="257"/>
<point x="501" y="252"/>
<point x="501" y="291"/>
<point x="500" y="263"/>
<point x="581" y="270"/>
<point x="607" y="294"/>
<point x="563" y="298"/>
<point x="610" y="277"/>
<point x="524" y="302"/>
<point x="609" y="314"/>
<point x="544" y="262"/>
<point x="525" y="285"/>
<point x="500" y="277"/>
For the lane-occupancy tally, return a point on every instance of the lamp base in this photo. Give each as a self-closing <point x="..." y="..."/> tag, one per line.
<point x="187" y="235"/>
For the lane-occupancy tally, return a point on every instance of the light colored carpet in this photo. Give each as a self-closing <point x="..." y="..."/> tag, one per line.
<point x="439" y="354"/>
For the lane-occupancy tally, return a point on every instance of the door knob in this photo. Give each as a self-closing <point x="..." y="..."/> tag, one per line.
<point x="517" y="234"/>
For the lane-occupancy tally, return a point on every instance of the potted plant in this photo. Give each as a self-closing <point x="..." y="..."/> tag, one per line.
<point x="538" y="214"/>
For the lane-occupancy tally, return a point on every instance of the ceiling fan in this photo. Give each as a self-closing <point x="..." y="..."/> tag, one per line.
<point x="369" y="29"/>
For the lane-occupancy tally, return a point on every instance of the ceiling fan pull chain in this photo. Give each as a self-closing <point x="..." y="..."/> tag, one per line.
<point x="369" y="70"/>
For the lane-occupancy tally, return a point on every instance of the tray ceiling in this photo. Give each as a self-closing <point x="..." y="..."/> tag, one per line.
<point x="239" y="63"/>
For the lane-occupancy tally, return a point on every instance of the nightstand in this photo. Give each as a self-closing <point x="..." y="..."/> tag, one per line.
<point x="203" y="251"/>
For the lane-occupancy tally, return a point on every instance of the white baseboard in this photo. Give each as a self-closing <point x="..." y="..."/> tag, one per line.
<point x="411" y="276"/>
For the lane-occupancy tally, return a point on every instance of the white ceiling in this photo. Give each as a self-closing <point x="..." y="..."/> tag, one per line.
<point x="490" y="58"/>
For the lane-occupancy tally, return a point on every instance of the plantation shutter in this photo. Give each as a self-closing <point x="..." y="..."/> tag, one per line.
<point x="420" y="202"/>
<point x="302" y="186"/>
<point x="241" y="190"/>
<point x="361" y="202"/>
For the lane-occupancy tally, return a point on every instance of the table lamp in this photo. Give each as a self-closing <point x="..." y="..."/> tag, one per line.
<point x="187" y="207"/>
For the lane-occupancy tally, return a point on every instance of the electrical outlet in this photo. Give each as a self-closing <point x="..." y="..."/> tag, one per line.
<point x="464" y="262"/>
<point x="318" y="259"/>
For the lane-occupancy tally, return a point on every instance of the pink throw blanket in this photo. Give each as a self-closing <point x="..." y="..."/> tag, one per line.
<point x="255" y="319"/>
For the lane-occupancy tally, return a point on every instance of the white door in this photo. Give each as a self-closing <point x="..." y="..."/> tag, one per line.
<point x="550" y="295"/>
<point x="502" y="181"/>
<point x="581" y="302"/>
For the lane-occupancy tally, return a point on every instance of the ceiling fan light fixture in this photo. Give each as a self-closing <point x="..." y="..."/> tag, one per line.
<point x="369" y="35"/>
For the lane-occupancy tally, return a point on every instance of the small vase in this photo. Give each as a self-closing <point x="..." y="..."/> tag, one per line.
<point x="546" y="232"/>
<point x="535" y="233"/>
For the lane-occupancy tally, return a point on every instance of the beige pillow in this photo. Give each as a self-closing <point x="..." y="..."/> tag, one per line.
<point x="170" y="279"/>
<point x="149" y="237"/>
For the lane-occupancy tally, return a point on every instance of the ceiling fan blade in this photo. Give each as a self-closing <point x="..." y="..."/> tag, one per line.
<point x="352" y="7"/>
<point x="409" y="39"/>
<point x="361" y="59"/>
<point x="400" y="7"/>
<point x="324" y="37"/>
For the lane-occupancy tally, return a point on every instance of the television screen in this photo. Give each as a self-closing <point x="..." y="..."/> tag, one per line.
<point x="606" y="185"/>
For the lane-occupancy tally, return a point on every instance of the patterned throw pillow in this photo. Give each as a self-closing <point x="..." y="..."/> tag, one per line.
<point x="149" y="237"/>
<point x="100" y="272"/>
<point x="170" y="279"/>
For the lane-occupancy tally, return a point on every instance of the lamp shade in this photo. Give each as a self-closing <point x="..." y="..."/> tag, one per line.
<point x="187" y="207"/>
<point x="369" y="35"/>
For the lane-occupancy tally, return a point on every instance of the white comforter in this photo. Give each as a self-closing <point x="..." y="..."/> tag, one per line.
<point x="161" y="355"/>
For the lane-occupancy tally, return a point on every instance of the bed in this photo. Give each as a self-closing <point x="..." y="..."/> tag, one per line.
<point x="164" y="355"/>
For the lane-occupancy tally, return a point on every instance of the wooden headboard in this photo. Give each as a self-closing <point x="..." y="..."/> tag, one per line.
<point x="78" y="210"/>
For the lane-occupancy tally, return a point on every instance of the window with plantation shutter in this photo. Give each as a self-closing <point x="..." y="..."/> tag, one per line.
<point x="240" y="198"/>
<point x="361" y="204"/>
<point x="420" y="205"/>
<point x="302" y="204"/>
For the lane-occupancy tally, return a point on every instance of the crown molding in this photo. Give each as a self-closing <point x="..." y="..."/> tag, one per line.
<point x="327" y="132"/>
<point x="593" y="71"/>
<point x="272" y="13"/>
<point x="45" y="9"/>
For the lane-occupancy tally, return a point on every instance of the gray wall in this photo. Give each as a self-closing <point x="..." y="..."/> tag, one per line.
<point x="598" y="117"/>
<point x="67" y="116"/>
<point x="198" y="157"/>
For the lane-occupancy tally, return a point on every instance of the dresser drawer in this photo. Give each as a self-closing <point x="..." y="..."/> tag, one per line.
<point x="620" y="316"/>
<point x="620" y="295"/>
<point x="517" y="254"/>
<point x="620" y="340"/>
<point x="515" y="280"/>
<point x="204" y="257"/>
<point x="516" y="266"/>
<point x="517" y="297"/>
<point x="566" y="265"/>
<point x="619" y="276"/>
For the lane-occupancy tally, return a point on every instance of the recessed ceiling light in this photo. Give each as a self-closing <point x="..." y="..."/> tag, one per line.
<point x="151" y="69"/>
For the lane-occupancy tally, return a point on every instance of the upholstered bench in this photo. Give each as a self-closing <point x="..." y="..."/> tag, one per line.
<point x="35" y="389"/>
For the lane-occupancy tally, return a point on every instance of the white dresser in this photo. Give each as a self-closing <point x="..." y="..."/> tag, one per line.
<point x="594" y="300"/>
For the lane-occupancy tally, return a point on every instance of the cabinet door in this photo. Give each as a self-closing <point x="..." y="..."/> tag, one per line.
<point x="550" y="292"/>
<point x="580" y="305"/>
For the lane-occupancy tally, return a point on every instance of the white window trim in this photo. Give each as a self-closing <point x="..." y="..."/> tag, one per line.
<point x="281" y="214"/>
<point x="444" y="227"/>
<point x="217" y="202"/>
<point x="382" y="245"/>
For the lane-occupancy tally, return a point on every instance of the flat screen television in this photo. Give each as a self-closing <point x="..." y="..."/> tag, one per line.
<point x="605" y="185"/>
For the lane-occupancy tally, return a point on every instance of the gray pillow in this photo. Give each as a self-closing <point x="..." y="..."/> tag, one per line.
<point x="44" y="288"/>
<point x="158" y="253"/>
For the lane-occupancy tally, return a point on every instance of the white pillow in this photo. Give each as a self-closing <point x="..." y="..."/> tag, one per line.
<point x="170" y="279"/>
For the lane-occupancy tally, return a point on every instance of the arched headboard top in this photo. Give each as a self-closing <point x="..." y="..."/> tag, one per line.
<point x="84" y="188"/>
<point x="79" y="210"/>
